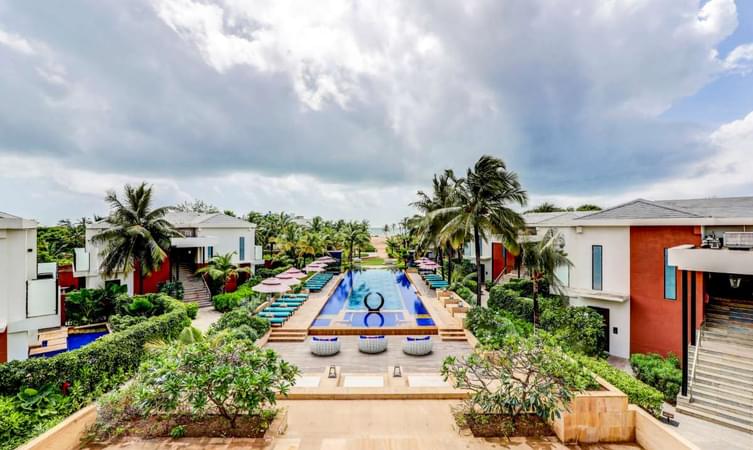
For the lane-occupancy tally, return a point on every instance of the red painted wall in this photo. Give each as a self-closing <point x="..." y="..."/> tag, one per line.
<point x="67" y="282"/>
<point x="4" y="346"/>
<point x="498" y="263"/>
<point x="656" y="323"/>
<point x="153" y="280"/>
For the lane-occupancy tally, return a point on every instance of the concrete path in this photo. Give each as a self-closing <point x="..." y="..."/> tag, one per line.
<point x="205" y="318"/>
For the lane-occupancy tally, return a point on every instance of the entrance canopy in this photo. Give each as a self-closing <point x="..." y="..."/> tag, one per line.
<point x="723" y="260"/>
<point x="193" y="242"/>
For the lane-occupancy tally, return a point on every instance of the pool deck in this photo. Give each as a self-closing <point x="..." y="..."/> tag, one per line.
<point x="438" y="312"/>
<point x="305" y="315"/>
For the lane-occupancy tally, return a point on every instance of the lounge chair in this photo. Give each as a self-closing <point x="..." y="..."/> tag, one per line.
<point x="325" y="346"/>
<point x="372" y="344"/>
<point x="417" y="346"/>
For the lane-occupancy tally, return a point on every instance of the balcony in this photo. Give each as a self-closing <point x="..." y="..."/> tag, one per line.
<point x="81" y="262"/>
<point x="193" y="242"/>
<point x="42" y="292"/>
<point x="258" y="255"/>
<point x="722" y="260"/>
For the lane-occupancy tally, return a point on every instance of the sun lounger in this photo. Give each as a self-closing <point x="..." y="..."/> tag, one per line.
<point x="324" y="346"/>
<point x="417" y="346"/>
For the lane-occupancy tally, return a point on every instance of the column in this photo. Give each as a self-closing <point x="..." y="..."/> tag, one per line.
<point x="692" y="309"/>
<point x="684" y="340"/>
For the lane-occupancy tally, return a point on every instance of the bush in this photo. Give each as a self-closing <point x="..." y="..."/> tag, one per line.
<point x="577" y="328"/>
<point x="491" y="327"/>
<point x="98" y="362"/>
<point x="523" y="376"/>
<point x="664" y="374"/>
<point x="232" y="378"/>
<point x="238" y="318"/>
<point x="172" y="288"/>
<point x="231" y="300"/>
<point x="87" y="306"/>
<point x="638" y="392"/>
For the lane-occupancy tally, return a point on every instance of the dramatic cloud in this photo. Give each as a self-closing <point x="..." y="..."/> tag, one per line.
<point x="346" y="108"/>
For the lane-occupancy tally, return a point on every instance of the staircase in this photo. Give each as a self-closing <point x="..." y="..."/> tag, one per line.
<point x="195" y="289"/>
<point x="453" y="334"/>
<point x="721" y="374"/>
<point x="287" y="335"/>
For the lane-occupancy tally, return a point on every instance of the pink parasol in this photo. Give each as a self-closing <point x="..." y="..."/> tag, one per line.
<point x="326" y="259"/>
<point x="271" y="286"/>
<point x="288" y="278"/>
<point x="313" y="268"/>
<point x="294" y="272"/>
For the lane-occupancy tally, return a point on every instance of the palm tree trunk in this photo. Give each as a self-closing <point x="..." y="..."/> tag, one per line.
<point x="477" y="244"/>
<point x="535" y="302"/>
<point x="441" y="259"/>
<point x="449" y="264"/>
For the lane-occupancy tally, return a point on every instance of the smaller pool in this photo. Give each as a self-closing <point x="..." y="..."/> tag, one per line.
<point x="77" y="338"/>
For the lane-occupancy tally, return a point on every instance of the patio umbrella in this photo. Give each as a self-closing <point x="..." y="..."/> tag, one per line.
<point x="295" y="272"/>
<point x="326" y="259"/>
<point x="313" y="268"/>
<point x="288" y="278"/>
<point x="271" y="286"/>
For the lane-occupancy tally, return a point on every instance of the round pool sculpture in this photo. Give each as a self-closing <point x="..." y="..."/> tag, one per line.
<point x="372" y="314"/>
<point x="370" y="308"/>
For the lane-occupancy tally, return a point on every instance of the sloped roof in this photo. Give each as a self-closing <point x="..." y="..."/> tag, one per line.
<point x="186" y="219"/>
<point x="4" y="215"/>
<point x="714" y="207"/>
<point x="534" y="218"/>
<point x="641" y="209"/>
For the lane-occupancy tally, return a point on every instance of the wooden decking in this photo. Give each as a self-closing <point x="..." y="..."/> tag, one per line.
<point x="449" y="328"/>
<point x="57" y="339"/>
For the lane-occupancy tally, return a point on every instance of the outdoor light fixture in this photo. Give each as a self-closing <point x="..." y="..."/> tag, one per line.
<point x="734" y="282"/>
<point x="332" y="372"/>
<point x="397" y="372"/>
<point x="668" y="417"/>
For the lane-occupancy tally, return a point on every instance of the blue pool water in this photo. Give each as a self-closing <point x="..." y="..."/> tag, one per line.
<point x="346" y="306"/>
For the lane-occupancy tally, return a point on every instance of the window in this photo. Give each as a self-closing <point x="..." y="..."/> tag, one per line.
<point x="670" y="278"/>
<point x="597" y="281"/>
<point x="242" y="248"/>
<point x="210" y="252"/>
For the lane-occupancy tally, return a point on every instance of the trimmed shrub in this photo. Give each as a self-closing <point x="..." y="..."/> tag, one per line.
<point x="241" y="317"/>
<point x="664" y="374"/>
<point x="103" y="359"/>
<point x="172" y="288"/>
<point x="638" y="392"/>
<point x="577" y="328"/>
<point x="491" y="327"/>
<point x="231" y="300"/>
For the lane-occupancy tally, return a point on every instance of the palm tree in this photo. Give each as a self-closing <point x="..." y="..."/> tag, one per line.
<point x="355" y="234"/>
<point x="221" y="268"/>
<point x="481" y="208"/>
<point x="138" y="237"/>
<point x="542" y="260"/>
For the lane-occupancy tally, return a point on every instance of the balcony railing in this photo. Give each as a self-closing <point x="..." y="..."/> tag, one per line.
<point x="81" y="260"/>
<point x="41" y="297"/>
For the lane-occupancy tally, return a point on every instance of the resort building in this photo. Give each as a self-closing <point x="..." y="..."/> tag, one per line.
<point x="203" y="237"/>
<point x="29" y="293"/>
<point x="673" y="276"/>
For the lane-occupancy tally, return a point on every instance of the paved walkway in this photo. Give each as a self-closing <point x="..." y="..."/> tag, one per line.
<point x="351" y="360"/>
<point x="206" y="317"/>
<point x="442" y="317"/>
<point x="709" y="436"/>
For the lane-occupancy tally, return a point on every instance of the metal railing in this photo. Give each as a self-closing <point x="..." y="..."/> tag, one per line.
<point x="695" y="361"/>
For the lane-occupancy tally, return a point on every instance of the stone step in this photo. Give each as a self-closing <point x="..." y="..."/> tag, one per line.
<point x="721" y="392"/>
<point x="715" y="374"/>
<point x="725" y="360"/>
<point x="711" y="414"/>
<point x="741" y="340"/>
<point x="702" y="379"/>
<point x="723" y="404"/>
<point x="745" y="403"/>
<point x="724" y="369"/>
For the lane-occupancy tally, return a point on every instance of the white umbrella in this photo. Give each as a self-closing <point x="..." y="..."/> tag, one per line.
<point x="271" y="286"/>
<point x="313" y="268"/>
<point x="326" y="259"/>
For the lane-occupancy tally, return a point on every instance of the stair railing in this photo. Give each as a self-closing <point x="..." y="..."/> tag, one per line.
<point x="695" y="361"/>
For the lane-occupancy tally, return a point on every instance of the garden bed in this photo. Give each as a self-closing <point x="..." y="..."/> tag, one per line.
<point x="500" y="425"/>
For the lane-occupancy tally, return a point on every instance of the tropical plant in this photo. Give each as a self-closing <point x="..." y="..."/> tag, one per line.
<point x="542" y="259"/>
<point x="232" y="378"/>
<point x="661" y="373"/>
<point x="588" y="207"/>
<point x="355" y="234"/>
<point x="523" y="376"/>
<point x="546" y="207"/>
<point x="87" y="306"/>
<point x="138" y="237"/>
<point x="197" y="206"/>
<point x="482" y="208"/>
<point x="221" y="269"/>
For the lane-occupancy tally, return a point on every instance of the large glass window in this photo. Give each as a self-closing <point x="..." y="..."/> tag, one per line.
<point x="242" y="248"/>
<point x="670" y="278"/>
<point x="210" y="252"/>
<point x="597" y="280"/>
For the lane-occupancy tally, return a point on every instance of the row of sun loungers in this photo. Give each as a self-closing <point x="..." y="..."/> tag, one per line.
<point x="318" y="281"/>
<point x="283" y="308"/>
<point x="435" y="281"/>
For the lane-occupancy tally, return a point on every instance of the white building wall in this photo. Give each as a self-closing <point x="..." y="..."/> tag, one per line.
<point x="18" y="264"/>
<point x="94" y="278"/>
<point x="615" y="242"/>
<point x="228" y="240"/>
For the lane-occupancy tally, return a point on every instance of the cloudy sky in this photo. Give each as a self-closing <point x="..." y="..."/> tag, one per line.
<point x="345" y="108"/>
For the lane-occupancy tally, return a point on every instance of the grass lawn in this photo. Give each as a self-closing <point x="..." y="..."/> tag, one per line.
<point x="372" y="261"/>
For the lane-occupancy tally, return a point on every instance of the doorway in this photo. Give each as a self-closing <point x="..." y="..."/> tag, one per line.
<point x="604" y="340"/>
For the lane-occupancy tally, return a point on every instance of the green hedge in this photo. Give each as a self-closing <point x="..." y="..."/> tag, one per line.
<point x="231" y="300"/>
<point x="638" y="392"/>
<point x="108" y="356"/>
<point x="661" y="373"/>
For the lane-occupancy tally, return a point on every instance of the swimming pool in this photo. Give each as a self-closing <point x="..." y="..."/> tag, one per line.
<point x="357" y="302"/>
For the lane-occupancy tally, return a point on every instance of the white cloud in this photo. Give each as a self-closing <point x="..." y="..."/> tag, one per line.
<point x="16" y="43"/>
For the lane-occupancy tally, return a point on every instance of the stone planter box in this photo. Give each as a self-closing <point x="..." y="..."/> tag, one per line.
<point x="68" y="433"/>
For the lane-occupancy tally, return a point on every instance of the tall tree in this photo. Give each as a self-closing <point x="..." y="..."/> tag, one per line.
<point x="197" y="206"/>
<point x="355" y="234"/>
<point x="482" y="208"/>
<point x="542" y="259"/>
<point x="546" y="207"/>
<point x="138" y="234"/>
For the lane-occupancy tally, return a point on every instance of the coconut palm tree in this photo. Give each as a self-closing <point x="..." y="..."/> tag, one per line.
<point x="355" y="234"/>
<point x="542" y="260"/>
<point x="138" y="236"/>
<point x="221" y="269"/>
<point x="482" y="208"/>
